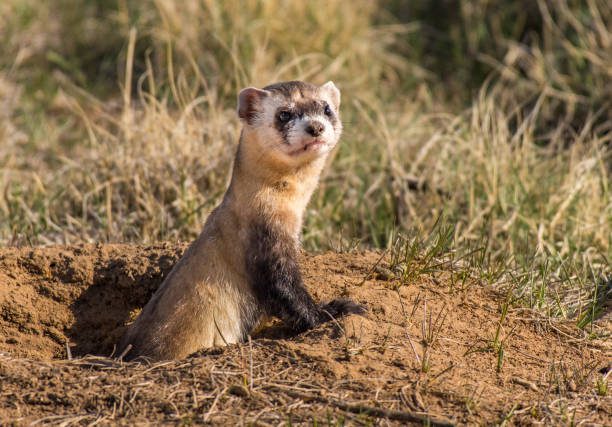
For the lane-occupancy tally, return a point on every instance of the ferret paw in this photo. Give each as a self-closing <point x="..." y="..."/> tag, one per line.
<point x="340" y="307"/>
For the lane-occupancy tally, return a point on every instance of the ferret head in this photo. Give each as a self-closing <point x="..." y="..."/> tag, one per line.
<point x="291" y="123"/>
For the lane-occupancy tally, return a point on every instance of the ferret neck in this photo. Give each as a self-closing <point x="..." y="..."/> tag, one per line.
<point x="280" y="196"/>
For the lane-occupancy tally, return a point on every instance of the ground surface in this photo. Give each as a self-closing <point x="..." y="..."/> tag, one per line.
<point x="424" y="351"/>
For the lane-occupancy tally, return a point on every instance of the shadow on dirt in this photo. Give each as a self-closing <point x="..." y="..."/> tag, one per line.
<point x="121" y="285"/>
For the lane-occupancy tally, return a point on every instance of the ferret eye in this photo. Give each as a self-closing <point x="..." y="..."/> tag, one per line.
<point x="327" y="110"/>
<point x="284" y="116"/>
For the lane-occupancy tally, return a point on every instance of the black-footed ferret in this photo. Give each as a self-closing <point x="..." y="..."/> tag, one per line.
<point x="243" y="266"/>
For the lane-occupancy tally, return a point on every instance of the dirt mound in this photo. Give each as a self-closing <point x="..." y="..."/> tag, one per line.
<point x="81" y="296"/>
<point x="426" y="350"/>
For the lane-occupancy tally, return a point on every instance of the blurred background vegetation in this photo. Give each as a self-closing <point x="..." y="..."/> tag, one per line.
<point x="476" y="132"/>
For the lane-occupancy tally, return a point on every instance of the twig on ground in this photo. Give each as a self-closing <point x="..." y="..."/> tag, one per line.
<point x="371" y="411"/>
<point x="525" y="383"/>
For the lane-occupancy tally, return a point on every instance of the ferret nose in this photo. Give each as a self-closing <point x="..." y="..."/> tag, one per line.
<point x="315" y="128"/>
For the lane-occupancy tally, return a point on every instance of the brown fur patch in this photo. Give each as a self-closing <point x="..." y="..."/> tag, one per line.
<point x="293" y="89"/>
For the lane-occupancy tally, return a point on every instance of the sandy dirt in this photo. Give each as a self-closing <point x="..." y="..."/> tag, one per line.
<point x="425" y="351"/>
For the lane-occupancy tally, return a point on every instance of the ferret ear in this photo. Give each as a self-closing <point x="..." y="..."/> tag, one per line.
<point x="248" y="101"/>
<point x="333" y="91"/>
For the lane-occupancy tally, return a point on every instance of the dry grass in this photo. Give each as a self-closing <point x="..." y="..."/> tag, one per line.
<point x="518" y="181"/>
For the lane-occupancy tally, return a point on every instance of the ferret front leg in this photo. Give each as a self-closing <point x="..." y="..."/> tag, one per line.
<point x="277" y="283"/>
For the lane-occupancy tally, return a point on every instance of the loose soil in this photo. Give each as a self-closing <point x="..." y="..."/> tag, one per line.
<point x="425" y="351"/>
